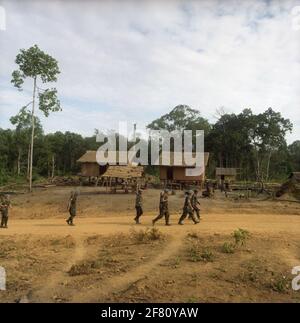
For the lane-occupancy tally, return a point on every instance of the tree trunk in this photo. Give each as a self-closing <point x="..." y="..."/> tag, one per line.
<point x="268" y="166"/>
<point x="32" y="135"/>
<point x="19" y="161"/>
<point x="28" y="162"/>
<point x="53" y="166"/>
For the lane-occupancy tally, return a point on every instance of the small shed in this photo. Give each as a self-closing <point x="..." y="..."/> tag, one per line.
<point x="226" y="174"/>
<point x="176" y="174"/>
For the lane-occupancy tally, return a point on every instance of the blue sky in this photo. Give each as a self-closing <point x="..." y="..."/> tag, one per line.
<point x="136" y="60"/>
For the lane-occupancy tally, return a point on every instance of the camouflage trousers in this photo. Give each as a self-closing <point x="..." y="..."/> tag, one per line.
<point x="197" y="210"/>
<point x="163" y="212"/>
<point x="139" y="212"/>
<point x="4" y="218"/>
<point x="187" y="212"/>
<point x="72" y="215"/>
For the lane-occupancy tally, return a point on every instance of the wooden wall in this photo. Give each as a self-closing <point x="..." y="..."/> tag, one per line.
<point x="90" y="169"/>
<point x="178" y="174"/>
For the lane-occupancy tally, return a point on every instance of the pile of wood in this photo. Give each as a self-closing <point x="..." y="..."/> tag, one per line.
<point x="64" y="181"/>
<point x="124" y="172"/>
<point x="292" y="185"/>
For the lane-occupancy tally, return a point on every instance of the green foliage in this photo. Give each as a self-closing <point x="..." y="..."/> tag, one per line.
<point x="253" y="143"/>
<point x="240" y="236"/>
<point x="48" y="101"/>
<point x="235" y="140"/>
<point x="196" y="254"/>
<point x="146" y="236"/>
<point x="33" y="63"/>
<point x="36" y="64"/>
<point x="180" y="118"/>
<point x="228" y="247"/>
<point x="280" y="283"/>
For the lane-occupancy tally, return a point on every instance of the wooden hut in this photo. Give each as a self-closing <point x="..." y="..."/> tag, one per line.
<point x="176" y="176"/>
<point x="111" y="174"/>
<point x="224" y="173"/>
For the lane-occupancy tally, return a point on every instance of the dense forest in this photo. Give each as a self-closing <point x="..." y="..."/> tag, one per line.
<point x="254" y="143"/>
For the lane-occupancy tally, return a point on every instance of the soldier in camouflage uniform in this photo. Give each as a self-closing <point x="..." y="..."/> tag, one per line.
<point x="72" y="207"/>
<point x="187" y="209"/>
<point x="138" y="206"/>
<point x="4" y="206"/>
<point x="163" y="208"/>
<point x="195" y="203"/>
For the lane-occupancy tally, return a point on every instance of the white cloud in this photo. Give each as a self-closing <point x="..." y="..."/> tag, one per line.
<point x="135" y="60"/>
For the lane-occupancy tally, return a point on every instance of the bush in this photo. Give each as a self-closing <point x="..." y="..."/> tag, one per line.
<point x="147" y="235"/>
<point x="280" y="284"/>
<point x="228" y="247"/>
<point x="196" y="254"/>
<point x="240" y="236"/>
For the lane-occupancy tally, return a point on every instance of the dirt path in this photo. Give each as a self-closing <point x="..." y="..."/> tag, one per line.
<point x="212" y="223"/>
<point x="41" y="293"/>
<point x="130" y="278"/>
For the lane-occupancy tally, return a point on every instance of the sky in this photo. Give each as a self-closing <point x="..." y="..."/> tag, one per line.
<point x="136" y="60"/>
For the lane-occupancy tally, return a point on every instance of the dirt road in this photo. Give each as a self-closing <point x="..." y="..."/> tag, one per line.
<point x="212" y="223"/>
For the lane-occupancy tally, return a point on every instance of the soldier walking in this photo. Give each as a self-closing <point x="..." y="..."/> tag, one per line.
<point x="72" y="207"/>
<point x="4" y="206"/>
<point x="163" y="208"/>
<point x="138" y="206"/>
<point x="187" y="209"/>
<point x="196" y="204"/>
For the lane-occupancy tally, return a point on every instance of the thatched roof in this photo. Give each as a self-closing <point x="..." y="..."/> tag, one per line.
<point x="127" y="171"/>
<point x="90" y="157"/>
<point x="174" y="156"/>
<point x="225" y="171"/>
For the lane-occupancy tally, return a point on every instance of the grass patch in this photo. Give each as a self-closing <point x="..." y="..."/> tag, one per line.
<point x="195" y="254"/>
<point x="228" y="247"/>
<point x="147" y="235"/>
<point x="240" y="237"/>
<point x="280" y="283"/>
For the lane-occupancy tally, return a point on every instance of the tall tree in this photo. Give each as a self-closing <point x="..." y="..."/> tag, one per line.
<point x="267" y="135"/>
<point x="22" y="121"/>
<point x="180" y="118"/>
<point x="37" y="65"/>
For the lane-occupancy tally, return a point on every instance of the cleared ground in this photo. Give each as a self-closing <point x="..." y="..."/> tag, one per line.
<point x="105" y="257"/>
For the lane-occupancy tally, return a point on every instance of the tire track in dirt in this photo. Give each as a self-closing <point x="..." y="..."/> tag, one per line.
<point x="52" y="286"/>
<point x="119" y="283"/>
